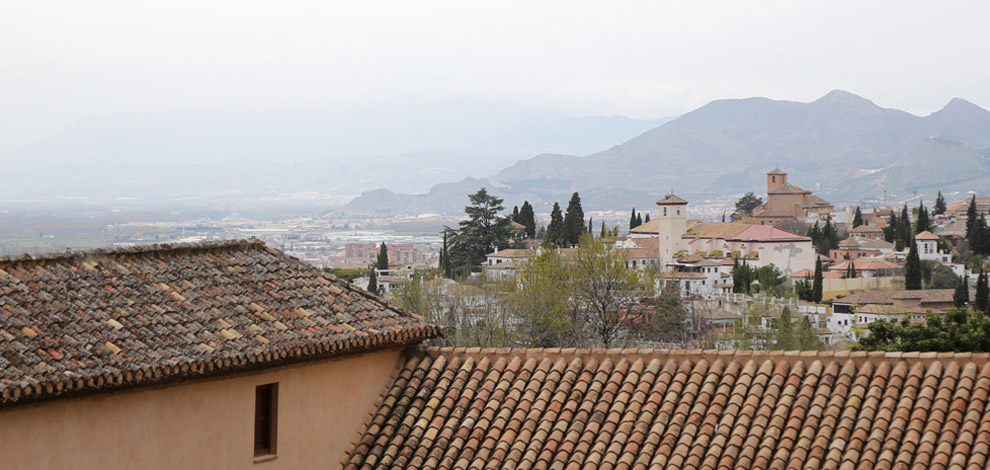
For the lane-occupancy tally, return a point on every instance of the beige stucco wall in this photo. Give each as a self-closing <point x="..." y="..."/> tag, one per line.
<point x="205" y="425"/>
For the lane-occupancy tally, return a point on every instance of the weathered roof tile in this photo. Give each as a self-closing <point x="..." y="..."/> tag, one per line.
<point x="625" y="409"/>
<point x="96" y="320"/>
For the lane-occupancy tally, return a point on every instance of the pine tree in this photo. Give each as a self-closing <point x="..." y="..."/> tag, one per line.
<point x="961" y="296"/>
<point x="555" y="231"/>
<point x="912" y="269"/>
<point x="785" y="331"/>
<point x="484" y="231"/>
<point x="818" y="284"/>
<point x="382" y="257"/>
<point x="373" y="282"/>
<point x="923" y="223"/>
<point x="939" y="205"/>
<point x="632" y="219"/>
<point x="573" y="221"/>
<point x="982" y="300"/>
<point x="857" y="218"/>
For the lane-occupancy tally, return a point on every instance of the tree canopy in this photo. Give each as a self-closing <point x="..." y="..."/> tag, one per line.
<point x="912" y="269"/>
<point x="382" y="262"/>
<point x="555" y="230"/>
<point x="484" y="231"/>
<point x="747" y="203"/>
<point x="527" y="218"/>
<point x="959" y="329"/>
<point x="940" y="207"/>
<point x="573" y="221"/>
<point x="857" y="218"/>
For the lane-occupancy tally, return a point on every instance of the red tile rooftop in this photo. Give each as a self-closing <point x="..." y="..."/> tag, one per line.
<point x="103" y="320"/>
<point x="638" y="409"/>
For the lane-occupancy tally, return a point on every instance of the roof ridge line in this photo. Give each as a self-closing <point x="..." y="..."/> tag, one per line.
<point x="135" y="250"/>
<point x="710" y="354"/>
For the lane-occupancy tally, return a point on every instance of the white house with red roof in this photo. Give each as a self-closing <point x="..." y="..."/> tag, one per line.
<point x="760" y="245"/>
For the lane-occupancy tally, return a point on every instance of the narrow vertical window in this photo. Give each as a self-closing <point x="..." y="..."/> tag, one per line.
<point x="265" y="419"/>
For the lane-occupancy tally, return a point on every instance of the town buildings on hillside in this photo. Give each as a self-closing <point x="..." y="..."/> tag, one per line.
<point x="787" y="202"/>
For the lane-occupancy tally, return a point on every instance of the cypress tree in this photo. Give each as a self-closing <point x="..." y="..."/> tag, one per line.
<point x="632" y="219"/>
<point x="515" y="214"/>
<point x="818" y="283"/>
<point x="555" y="231"/>
<point x="604" y="233"/>
<point x="971" y="220"/>
<point x="573" y="221"/>
<point x="904" y="229"/>
<point x="445" y="257"/>
<point x="857" y="218"/>
<point x="591" y="230"/>
<point x="923" y="223"/>
<point x="383" y="257"/>
<point x="939" y="205"/>
<point x="961" y="296"/>
<point x="982" y="300"/>
<point x="646" y="219"/>
<point x="527" y="218"/>
<point x="980" y="244"/>
<point x="785" y="331"/>
<point x="373" y="282"/>
<point x="912" y="269"/>
<point x="639" y="219"/>
<point x="852" y="269"/>
<point x="890" y="231"/>
<point x="807" y="340"/>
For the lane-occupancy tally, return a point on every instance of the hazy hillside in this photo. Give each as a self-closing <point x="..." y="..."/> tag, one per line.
<point x="230" y="156"/>
<point x="842" y="146"/>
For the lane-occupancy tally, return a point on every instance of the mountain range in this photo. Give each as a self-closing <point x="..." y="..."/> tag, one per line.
<point x="233" y="157"/>
<point x="842" y="146"/>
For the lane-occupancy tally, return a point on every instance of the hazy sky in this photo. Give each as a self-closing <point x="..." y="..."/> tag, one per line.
<point x="65" y="60"/>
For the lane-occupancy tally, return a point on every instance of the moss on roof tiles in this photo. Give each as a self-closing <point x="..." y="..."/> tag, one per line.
<point x="164" y="313"/>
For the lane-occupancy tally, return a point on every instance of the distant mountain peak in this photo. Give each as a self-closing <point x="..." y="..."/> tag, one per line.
<point x="843" y="97"/>
<point x="956" y="105"/>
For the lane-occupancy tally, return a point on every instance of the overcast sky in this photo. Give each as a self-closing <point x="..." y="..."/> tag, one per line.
<point x="61" y="61"/>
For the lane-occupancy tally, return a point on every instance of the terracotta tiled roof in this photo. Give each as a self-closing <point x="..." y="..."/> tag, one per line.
<point x="926" y="235"/>
<point x="103" y="320"/>
<point x="639" y="409"/>
<point x="513" y="253"/>
<point x="777" y="171"/>
<point x="725" y="230"/>
<point x="671" y="199"/>
<point x="866" y="229"/>
<point x="787" y="188"/>
<point x="810" y="273"/>
<point x="768" y="233"/>
<point x="880" y="296"/>
<point x="651" y="227"/>
<point x="863" y="264"/>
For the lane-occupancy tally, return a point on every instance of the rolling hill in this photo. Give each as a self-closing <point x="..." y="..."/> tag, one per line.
<point x="842" y="146"/>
